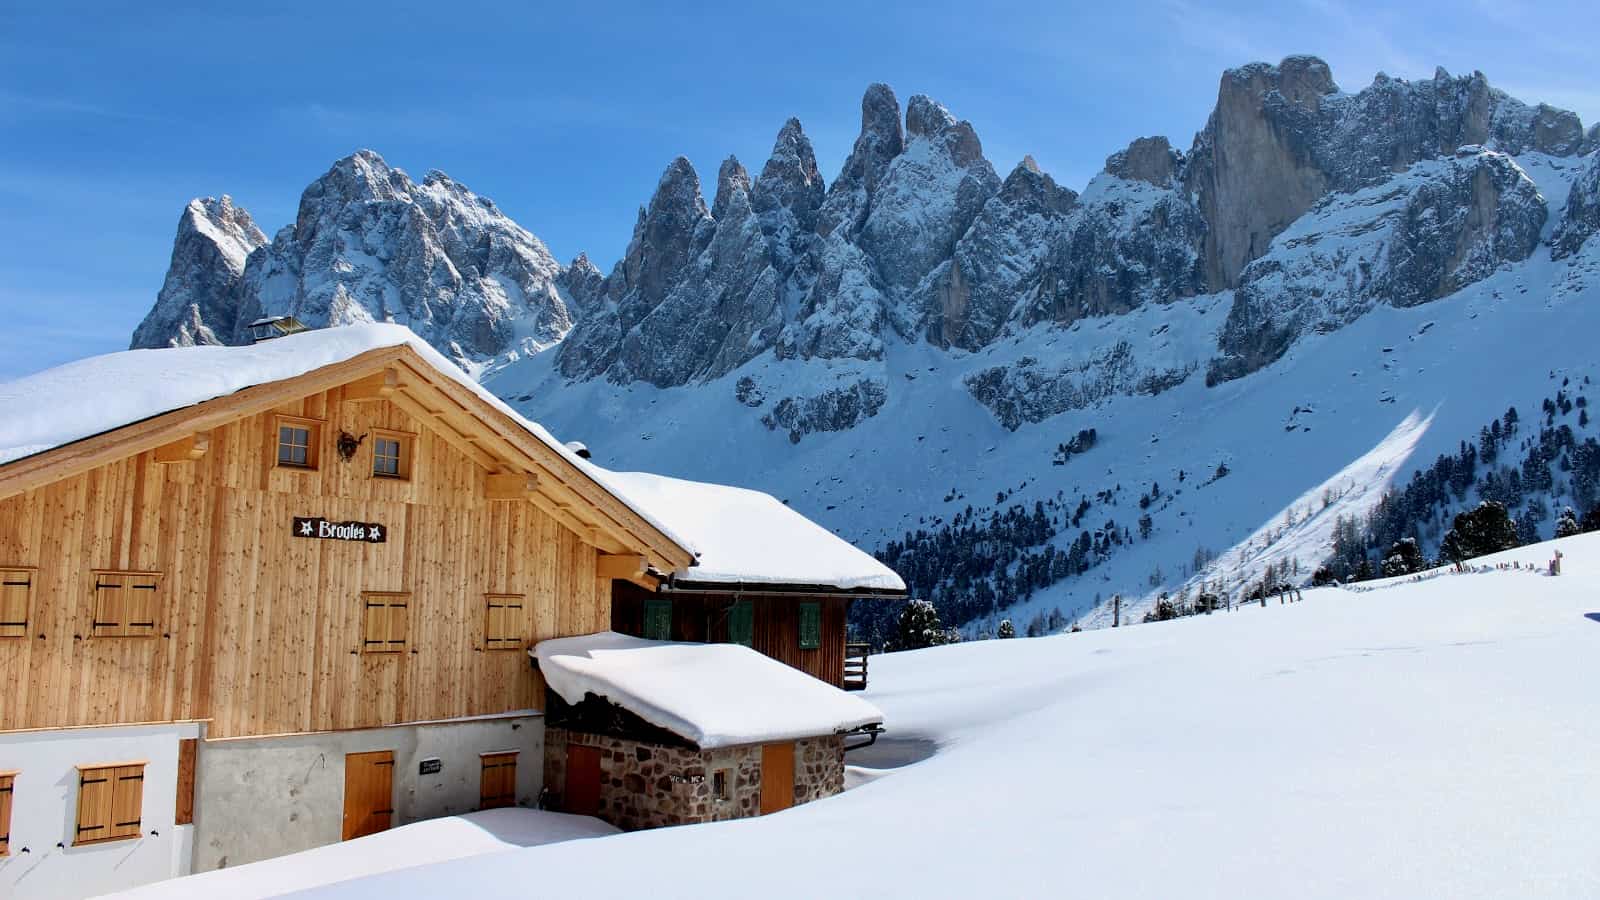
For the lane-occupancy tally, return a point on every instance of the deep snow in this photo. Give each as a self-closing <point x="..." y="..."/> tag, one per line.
<point x="1432" y="738"/>
<point x="452" y="837"/>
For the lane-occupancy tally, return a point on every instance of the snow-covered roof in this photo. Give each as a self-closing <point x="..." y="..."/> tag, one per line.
<point x="715" y="695"/>
<point x="746" y="537"/>
<point x="91" y="396"/>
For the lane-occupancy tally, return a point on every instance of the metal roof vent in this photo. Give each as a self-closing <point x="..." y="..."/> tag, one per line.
<point x="269" y="327"/>
<point x="579" y="448"/>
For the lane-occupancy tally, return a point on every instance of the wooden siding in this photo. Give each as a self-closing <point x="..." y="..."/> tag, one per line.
<point x="259" y="631"/>
<point x="704" y="618"/>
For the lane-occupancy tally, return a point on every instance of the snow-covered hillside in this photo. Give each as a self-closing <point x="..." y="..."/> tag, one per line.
<point x="1430" y="738"/>
<point x="1355" y="409"/>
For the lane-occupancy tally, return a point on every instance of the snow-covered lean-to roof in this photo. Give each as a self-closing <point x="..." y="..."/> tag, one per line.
<point x="714" y="695"/>
<point x="92" y="396"/>
<point x="747" y="538"/>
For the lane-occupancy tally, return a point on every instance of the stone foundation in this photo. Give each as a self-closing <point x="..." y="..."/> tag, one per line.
<point x="645" y="785"/>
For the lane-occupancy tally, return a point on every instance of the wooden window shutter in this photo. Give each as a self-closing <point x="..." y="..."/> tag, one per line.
<point x="497" y="785"/>
<point x="127" y="802"/>
<point x="810" y="625"/>
<point x="385" y="622"/>
<point x="16" y="588"/>
<point x="742" y="623"/>
<point x="187" y="748"/>
<point x="126" y="604"/>
<point x="503" y="622"/>
<point x="7" y="789"/>
<point x="109" y="606"/>
<point x="139" y="604"/>
<point x="658" y="619"/>
<point x="110" y="803"/>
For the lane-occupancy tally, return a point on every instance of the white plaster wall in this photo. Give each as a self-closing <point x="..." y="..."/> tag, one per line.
<point x="257" y="798"/>
<point x="43" y="864"/>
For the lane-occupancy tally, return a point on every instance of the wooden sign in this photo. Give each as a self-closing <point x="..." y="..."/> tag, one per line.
<point x="317" y="527"/>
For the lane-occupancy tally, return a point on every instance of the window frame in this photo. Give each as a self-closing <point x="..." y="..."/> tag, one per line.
<point x="810" y="609"/>
<point x="512" y="638"/>
<point x="405" y="442"/>
<point x="115" y="778"/>
<point x="313" y="429"/>
<point x="102" y="625"/>
<point x="658" y="604"/>
<point x="388" y="642"/>
<point x="7" y="624"/>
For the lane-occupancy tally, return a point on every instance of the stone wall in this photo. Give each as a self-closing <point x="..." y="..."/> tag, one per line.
<point x="646" y="785"/>
<point x="818" y="768"/>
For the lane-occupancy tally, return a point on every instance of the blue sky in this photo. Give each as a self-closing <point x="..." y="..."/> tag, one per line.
<point x="113" y="115"/>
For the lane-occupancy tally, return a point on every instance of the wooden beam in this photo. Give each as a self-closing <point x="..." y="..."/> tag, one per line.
<point x="184" y="450"/>
<point x="377" y="386"/>
<point x="619" y="565"/>
<point x="510" y="486"/>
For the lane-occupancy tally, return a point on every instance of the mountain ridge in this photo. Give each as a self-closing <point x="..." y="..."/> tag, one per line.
<point x="813" y="324"/>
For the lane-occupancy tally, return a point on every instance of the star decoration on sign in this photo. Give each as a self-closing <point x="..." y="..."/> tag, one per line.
<point x="376" y="534"/>
<point x="306" y="528"/>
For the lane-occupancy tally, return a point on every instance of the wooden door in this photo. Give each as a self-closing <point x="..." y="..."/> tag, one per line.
<point x="582" y="795"/>
<point x="497" y="783"/>
<point x="777" y="777"/>
<point x="368" y="793"/>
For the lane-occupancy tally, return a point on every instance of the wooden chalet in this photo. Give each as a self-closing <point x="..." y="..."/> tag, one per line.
<point x="258" y="599"/>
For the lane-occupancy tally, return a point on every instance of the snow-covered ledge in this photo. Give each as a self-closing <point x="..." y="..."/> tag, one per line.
<point x="714" y="695"/>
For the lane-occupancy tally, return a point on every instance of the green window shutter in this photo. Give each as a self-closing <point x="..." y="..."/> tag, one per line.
<point x="810" y="626"/>
<point x="742" y="623"/>
<point x="658" y="620"/>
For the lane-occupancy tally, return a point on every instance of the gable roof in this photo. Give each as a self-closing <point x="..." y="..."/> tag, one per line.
<point x="752" y="540"/>
<point x="66" y="420"/>
<point x="714" y="695"/>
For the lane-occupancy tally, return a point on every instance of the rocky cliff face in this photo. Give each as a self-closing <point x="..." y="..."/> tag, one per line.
<point x="198" y="303"/>
<point x="1581" y="217"/>
<point x="1298" y="207"/>
<point x="1412" y="239"/>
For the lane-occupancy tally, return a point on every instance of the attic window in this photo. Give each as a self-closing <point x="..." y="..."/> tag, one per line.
<point x="298" y="440"/>
<point x="391" y="454"/>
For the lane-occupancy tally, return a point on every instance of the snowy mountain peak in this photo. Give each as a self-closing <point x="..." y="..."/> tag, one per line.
<point x="214" y="240"/>
<point x="1149" y="159"/>
<point x="733" y="187"/>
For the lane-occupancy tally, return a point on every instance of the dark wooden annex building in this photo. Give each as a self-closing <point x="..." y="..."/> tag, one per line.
<point x="766" y="577"/>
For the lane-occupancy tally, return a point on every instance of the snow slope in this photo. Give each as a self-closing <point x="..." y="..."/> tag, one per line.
<point x="1428" y="739"/>
<point x="932" y="449"/>
<point x="434" y="840"/>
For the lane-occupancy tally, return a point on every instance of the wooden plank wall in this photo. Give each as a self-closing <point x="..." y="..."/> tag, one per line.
<point x="702" y="617"/>
<point x="260" y="631"/>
